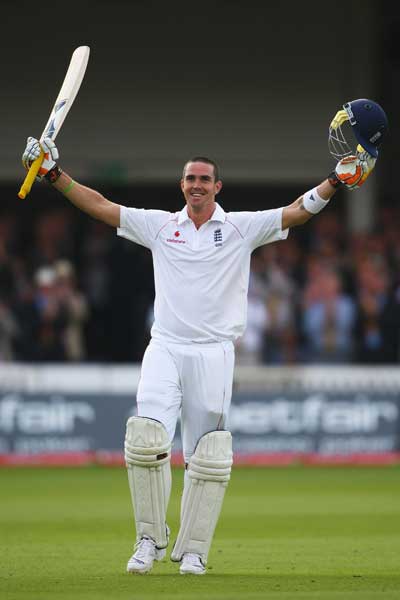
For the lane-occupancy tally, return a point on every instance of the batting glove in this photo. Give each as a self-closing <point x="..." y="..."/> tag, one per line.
<point x="352" y="171"/>
<point x="32" y="152"/>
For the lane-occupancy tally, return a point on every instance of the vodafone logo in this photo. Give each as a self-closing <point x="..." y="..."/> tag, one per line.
<point x="175" y="240"/>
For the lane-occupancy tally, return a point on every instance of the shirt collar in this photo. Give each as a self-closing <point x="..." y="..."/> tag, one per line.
<point x="218" y="215"/>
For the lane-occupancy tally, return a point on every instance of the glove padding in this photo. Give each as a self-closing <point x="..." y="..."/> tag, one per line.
<point x="32" y="152"/>
<point x="353" y="171"/>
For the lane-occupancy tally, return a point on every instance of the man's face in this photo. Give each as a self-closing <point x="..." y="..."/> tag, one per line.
<point x="198" y="186"/>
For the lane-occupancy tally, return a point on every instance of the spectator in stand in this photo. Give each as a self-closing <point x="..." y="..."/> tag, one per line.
<point x="9" y="331"/>
<point x="95" y="275"/>
<point x="390" y="225"/>
<point x="280" y="335"/>
<point x="281" y="291"/>
<point x="52" y="238"/>
<point x="41" y="320"/>
<point x="377" y="330"/>
<point x="328" y="318"/>
<point x="73" y="304"/>
<point x="51" y="318"/>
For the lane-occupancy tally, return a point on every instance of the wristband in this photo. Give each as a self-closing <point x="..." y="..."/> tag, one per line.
<point x="312" y="202"/>
<point x="69" y="187"/>
<point x="53" y="174"/>
<point x="334" y="180"/>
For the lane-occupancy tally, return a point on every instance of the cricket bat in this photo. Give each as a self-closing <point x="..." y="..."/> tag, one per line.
<point x="65" y="99"/>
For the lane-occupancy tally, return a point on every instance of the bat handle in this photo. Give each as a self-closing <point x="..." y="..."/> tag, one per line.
<point x="30" y="176"/>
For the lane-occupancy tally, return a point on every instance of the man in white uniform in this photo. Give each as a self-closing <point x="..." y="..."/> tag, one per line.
<point x="201" y="260"/>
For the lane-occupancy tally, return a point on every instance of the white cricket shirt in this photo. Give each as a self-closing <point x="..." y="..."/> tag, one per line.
<point x="201" y="275"/>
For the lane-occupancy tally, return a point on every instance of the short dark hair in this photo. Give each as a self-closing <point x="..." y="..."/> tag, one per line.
<point x="205" y="160"/>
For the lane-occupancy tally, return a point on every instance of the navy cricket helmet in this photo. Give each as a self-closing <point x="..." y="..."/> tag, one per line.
<point x="369" y="123"/>
<point x="361" y="119"/>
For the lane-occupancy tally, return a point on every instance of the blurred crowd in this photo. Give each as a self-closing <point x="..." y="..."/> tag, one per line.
<point x="327" y="297"/>
<point x="70" y="290"/>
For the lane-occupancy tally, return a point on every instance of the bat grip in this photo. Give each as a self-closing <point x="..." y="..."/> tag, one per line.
<point x="30" y="176"/>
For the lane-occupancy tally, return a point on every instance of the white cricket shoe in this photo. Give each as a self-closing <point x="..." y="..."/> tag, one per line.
<point x="145" y="554"/>
<point x="191" y="565"/>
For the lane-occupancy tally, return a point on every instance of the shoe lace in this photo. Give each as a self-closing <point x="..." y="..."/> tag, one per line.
<point x="193" y="559"/>
<point x="142" y="549"/>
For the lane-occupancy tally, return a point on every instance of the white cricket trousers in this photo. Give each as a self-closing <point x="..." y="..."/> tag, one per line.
<point x="193" y="380"/>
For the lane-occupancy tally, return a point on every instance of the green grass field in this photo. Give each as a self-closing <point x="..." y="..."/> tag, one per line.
<point x="297" y="532"/>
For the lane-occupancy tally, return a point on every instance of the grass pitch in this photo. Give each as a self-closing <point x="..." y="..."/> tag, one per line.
<point x="296" y="532"/>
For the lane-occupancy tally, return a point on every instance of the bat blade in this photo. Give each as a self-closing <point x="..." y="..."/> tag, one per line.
<point x="68" y="92"/>
<point x="62" y="105"/>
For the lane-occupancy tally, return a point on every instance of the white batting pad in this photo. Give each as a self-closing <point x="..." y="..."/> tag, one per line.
<point x="147" y="457"/>
<point x="209" y="471"/>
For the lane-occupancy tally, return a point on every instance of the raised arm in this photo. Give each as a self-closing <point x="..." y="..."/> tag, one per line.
<point x="351" y="172"/>
<point x="90" y="201"/>
<point x="86" y="199"/>
<point x="297" y="214"/>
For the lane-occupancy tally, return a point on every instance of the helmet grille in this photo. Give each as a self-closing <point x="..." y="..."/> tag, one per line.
<point x="340" y="134"/>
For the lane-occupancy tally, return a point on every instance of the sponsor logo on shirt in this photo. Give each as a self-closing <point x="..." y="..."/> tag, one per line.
<point x="175" y="239"/>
